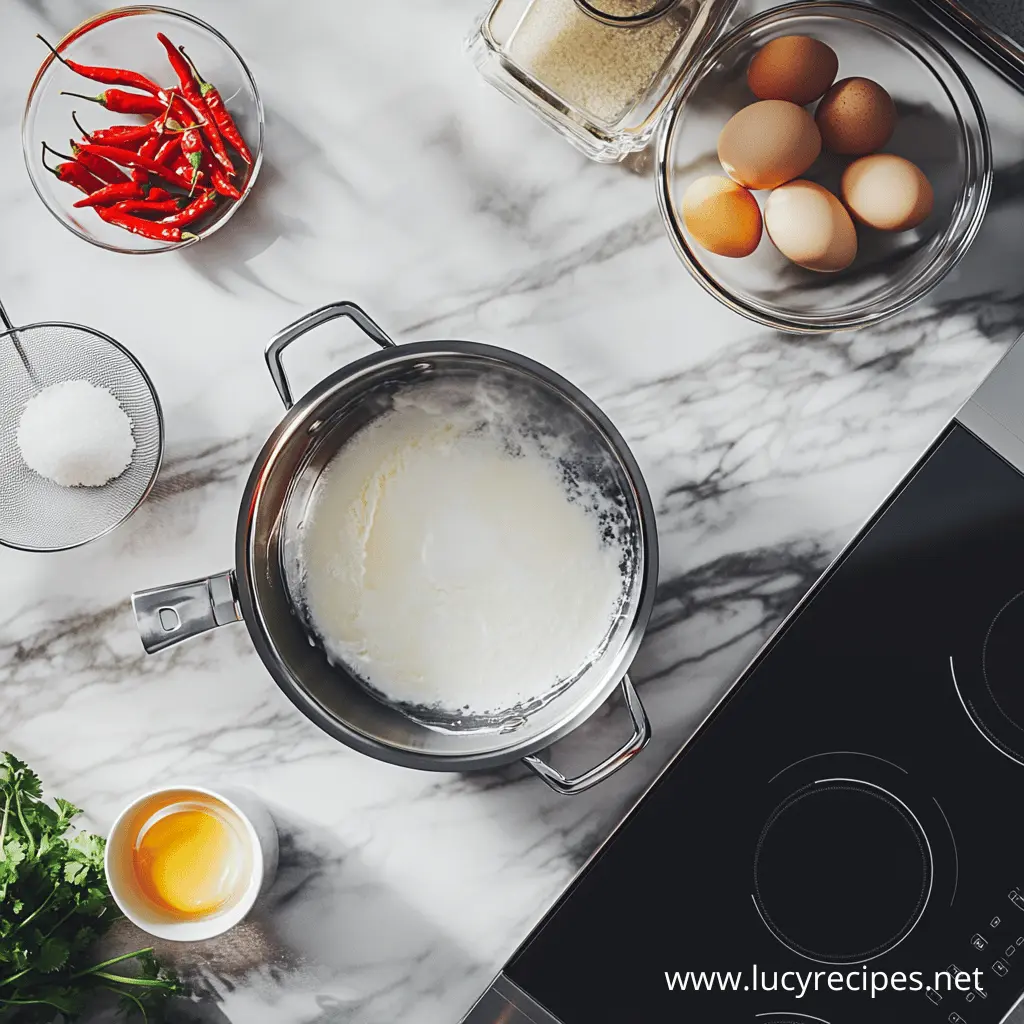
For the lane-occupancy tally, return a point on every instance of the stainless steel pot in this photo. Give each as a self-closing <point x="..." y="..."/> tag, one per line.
<point x="257" y="590"/>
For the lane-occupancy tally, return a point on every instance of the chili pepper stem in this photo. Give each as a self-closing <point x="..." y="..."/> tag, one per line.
<point x="52" y="49"/>
<point x="173" y="127"/>
<point x="78" y="125"/>
<point x="200" y="81"/>
<point x="52" y="170"/>
<point x="47" y="148"/>
<point x="81" y="96"/>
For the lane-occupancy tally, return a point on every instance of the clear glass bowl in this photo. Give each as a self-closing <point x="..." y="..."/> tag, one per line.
<point x="941" y="128"/>
<point x="126" y="38"/>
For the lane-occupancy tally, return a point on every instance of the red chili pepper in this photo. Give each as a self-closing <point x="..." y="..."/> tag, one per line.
<point x="127" y="190"/>
<point x="125" y="135"/>
<point x="219" y="179"/>
<point x="73" y="173"/>
<point x="120" y="102"/>
<point x="97" y="162"/>
<point x="206" y="202"/>
<point x="126" y="158"/>
<point x="148" y="206"/>
<point x="192" y="149"/>
<point x="147" y="149"/>
<point x="221" y="116"/>
<point x="195" y="99"/>
<point x="108" y="76"/>
<point x="146" y="228"/>
<point x="168" y="148"/>
<point x="183" y="169"/>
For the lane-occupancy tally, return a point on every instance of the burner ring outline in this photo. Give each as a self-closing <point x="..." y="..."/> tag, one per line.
<point x="920" y="835"/>
<point x="984" y="662"/>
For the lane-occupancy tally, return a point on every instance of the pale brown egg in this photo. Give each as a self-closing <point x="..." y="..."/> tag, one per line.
<point x="887" y="192"/>
<point x="795" y="68"/>
<point x="768" y="143"/>
<point x="856" y="116"/>
<point x="811" y="227"/>
<point x="723" y="217"/>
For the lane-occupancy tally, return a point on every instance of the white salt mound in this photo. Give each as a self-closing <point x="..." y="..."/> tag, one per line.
<point x="76" y="434"/>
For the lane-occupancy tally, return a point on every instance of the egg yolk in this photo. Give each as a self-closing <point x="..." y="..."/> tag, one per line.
<point x="186" y="862"/>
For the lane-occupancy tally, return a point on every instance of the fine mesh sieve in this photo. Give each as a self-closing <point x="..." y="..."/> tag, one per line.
<point x="37" y="514"/>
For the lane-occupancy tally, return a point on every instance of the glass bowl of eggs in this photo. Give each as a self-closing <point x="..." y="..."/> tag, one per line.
<point x="823" y="167"/>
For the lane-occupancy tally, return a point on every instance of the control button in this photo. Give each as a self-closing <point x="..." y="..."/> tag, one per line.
<point x="1010" y="950"/>
<point x="933" y="996"/>
<point x="969" y="998"/>
<point x="995" y="922"/>
<point x="981" y="992"/>
<point x="1000" y="969"/>
<point x="979" y="942"/>
<point x="1016" y="899"/>
<point x="1020" y="941"/>
<point x="955" y="1018"/>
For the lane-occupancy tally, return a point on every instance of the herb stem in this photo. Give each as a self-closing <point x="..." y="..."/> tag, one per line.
<point x="72" y="911"/>
<point x="110" y="963"/>
<point x="31" y="1002"/>
<point x="142" y="982"/>
<point x="3" y="826"/>
<point x="24" y="824"/>
<point x="134" y="999"/>
<point x="42" y="906"/>
<point x="14" y="977"/>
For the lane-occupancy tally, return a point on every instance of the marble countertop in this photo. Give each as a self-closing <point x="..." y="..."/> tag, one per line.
<point x="396" y="178"/>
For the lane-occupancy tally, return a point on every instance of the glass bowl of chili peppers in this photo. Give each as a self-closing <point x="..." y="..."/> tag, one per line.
<point x="143" y="130"/>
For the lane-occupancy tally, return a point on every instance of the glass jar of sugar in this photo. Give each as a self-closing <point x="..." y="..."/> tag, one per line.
<point x="598" y="71"/>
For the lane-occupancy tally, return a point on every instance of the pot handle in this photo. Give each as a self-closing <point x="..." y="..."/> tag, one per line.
<point x="167" y="615"/>
<point x="319" y="316"/>
<point x="581" y="783"/>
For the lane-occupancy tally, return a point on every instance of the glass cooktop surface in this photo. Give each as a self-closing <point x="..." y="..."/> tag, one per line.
<point x="851" y="812"/>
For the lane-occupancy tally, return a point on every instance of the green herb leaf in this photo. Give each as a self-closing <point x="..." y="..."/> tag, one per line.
<point x="54" y="905"/>
<point x="53" y="954"/>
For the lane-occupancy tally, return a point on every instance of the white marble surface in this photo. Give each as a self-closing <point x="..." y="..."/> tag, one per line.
<point x="396" y="178"/>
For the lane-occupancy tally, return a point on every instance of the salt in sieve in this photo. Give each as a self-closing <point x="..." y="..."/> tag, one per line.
<point x="37" y="514"/>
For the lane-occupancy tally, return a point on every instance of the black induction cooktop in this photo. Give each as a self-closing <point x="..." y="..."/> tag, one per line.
<point x="852" y="814"/>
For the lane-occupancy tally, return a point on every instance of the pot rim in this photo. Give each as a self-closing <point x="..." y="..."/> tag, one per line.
<point x="296" y="419"/>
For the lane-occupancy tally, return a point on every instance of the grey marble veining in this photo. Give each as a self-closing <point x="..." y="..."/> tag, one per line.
<point x="395" y="177"/>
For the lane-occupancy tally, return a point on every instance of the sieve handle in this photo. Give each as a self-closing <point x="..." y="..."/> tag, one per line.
<point x="319" y="316"/>
<point x="581" y="783"/>
<point x="167" y="615"/>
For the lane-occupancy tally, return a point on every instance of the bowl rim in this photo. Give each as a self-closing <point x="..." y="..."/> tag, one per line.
<point x="207" y="926"/>
<point x="161" y="431"/>
<point x="83" y="29"/>
<point x="981" y="185"/>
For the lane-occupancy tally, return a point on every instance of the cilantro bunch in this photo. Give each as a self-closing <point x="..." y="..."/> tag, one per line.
<point x="54" y="905"/>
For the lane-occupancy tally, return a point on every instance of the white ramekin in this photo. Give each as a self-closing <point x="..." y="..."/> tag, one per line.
<point x="260" y="834"/>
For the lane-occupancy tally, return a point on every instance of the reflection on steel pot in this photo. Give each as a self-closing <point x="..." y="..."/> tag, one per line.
<point x="259" y="589"/>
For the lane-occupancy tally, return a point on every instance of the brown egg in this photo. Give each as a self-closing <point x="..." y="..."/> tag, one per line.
<point x="722" y="216"/>
<point x="811" y="227"/>
<point x="768" y="143"/>
<point x="887" y="192"/>
<point x="856" y="116"/>
<point x="795" y="68"/>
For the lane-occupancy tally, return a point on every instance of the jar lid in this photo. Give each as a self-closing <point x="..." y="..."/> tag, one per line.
<point x="625" y="13"/>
